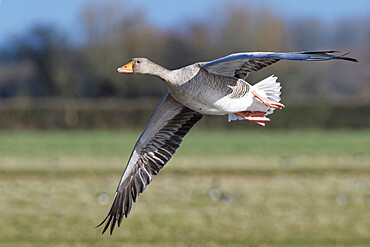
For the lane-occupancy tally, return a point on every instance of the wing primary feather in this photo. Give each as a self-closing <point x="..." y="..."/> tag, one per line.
<point x="123" y="199"/>
<point x="146" y="169"/>
<point x="125" y="203"/>
<point x="110" y="211"/>
<point x="120" y="207"/>
<point x="161" y="156"/>
<point x="153" y="165"/>
<point x="164" y="153"/>
<point x="158" y="159"/>
<point x="107" y="224"/>
<point x="113" y="224"/>
<point x="142" y="182"/>
<point x="135" y="188"/>
<point x="129" y="200"/>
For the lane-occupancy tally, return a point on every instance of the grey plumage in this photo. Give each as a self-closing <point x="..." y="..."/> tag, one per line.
<point x="152" y="154"/>
<point x="216" y="87"/>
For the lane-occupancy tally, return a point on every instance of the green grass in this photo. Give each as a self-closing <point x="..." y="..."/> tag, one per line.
<point x="278" y="188"/>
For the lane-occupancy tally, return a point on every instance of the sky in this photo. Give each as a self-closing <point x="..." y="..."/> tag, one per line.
<point x="17" y="16"/>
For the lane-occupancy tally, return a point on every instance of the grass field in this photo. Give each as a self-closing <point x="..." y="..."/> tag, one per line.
<point x="222" y="188"/>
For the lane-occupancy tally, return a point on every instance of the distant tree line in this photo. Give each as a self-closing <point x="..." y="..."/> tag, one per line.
<point x="43" y="62"/>
<point x="116" y="113"/>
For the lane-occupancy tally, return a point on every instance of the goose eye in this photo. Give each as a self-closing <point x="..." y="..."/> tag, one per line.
<point x="138" y="61"/>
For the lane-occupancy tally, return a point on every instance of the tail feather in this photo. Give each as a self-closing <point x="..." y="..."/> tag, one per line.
<point x="272" y="90"/>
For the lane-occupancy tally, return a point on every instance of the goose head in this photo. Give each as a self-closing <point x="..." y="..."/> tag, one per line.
<point x="139" y="66"/>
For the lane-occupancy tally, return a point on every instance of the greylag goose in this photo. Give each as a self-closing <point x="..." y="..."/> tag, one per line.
<point x="217" y="87"/>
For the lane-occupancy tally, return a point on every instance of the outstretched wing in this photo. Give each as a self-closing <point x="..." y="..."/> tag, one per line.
<point x="155" y="147"/>
<point x="239" y="65"/>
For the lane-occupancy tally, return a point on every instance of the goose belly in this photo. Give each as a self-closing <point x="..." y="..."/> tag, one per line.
<point x="231" y="105"/>
<point x="218" y="105"/>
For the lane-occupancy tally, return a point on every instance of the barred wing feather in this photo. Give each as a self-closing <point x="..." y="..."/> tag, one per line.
<point x="239" y="65"/>
<point x="155" y="147"/>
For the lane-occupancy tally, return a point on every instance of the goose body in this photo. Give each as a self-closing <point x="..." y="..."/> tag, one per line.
<point x="216" y="87"/>
<point x="210" y="93"/>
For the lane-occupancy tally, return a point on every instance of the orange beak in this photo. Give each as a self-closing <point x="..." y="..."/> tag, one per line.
<point x="126" y="68"/>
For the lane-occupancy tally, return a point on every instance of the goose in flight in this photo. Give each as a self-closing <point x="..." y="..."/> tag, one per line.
<point x="216" y="87"/>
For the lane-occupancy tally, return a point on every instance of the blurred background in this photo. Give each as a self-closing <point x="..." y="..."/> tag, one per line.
<point x="68" y="122"/>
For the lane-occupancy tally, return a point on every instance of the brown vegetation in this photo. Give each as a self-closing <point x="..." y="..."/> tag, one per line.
<point x="43" y="62"/>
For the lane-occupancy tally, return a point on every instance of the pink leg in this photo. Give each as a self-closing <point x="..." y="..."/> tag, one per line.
<point x="255" y="117"/>
<point x="266" y="101"/>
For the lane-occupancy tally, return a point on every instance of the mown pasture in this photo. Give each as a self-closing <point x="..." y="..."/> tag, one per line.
<point x="222" y="188"/>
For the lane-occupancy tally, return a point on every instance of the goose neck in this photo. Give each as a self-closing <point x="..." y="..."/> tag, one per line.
<point x="161" y="72"/>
